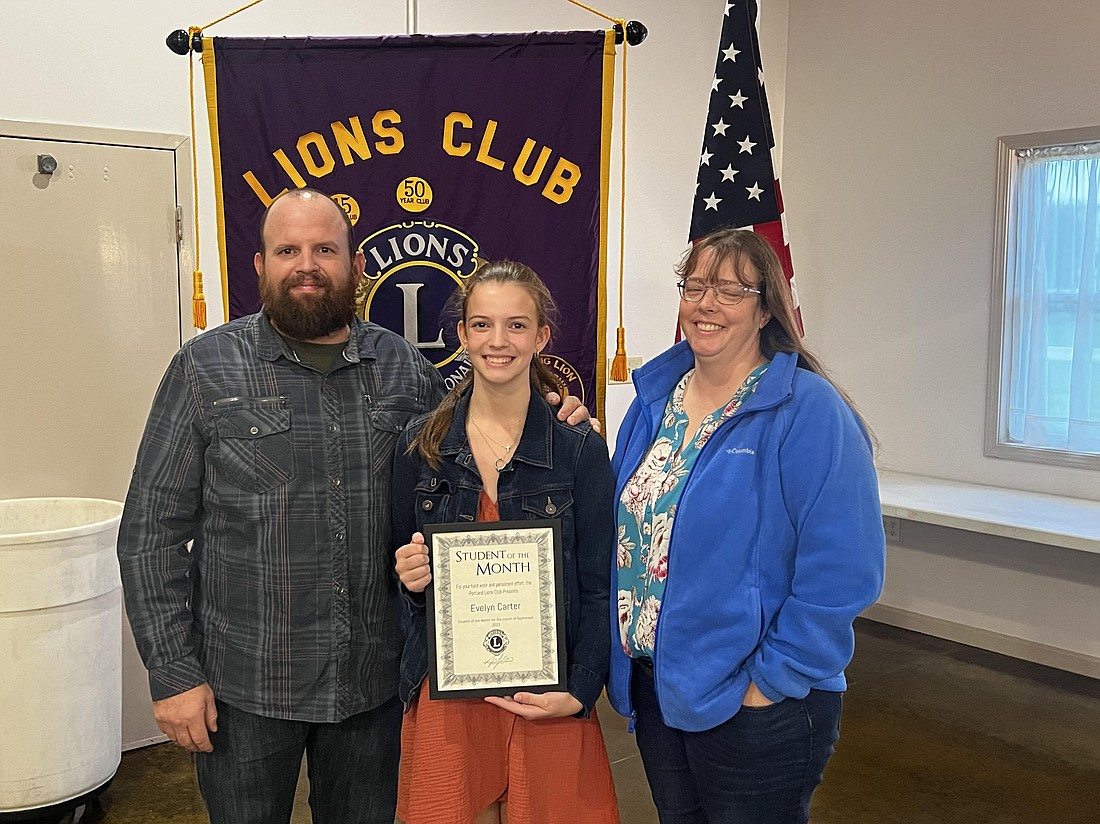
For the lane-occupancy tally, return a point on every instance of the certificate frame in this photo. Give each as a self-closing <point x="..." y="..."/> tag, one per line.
<point x="495" y="608"/>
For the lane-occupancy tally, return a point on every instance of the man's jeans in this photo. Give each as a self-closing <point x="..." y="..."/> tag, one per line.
<point x="760" y="767"/>
<point x="251" y="775"/>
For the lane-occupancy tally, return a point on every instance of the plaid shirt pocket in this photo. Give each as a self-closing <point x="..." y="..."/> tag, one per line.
<point x="254" y="449"/>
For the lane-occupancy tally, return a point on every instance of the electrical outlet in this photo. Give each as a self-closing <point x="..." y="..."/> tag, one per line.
<point x="892" y="528"/>
<point x="631" y="365"/>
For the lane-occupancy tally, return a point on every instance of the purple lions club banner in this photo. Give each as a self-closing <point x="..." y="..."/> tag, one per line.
<point x="444" y="151"/>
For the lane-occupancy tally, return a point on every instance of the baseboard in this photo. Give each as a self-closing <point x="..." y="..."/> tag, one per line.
<point x="156" y="739"/>
<point x="985" y="639"/>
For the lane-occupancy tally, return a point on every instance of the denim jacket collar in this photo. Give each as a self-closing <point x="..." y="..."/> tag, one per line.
<point x="535" y="444"/>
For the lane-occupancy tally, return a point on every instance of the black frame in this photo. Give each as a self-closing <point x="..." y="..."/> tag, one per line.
<point x="431" y="608"/>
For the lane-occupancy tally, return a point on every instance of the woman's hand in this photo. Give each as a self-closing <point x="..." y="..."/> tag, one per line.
<point x="755" y="698"/>
<point x="412" y="564"/>
<point x="538" y="706"/>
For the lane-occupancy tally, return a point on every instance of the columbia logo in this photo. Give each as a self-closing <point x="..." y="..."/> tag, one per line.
<point x="740" y="450"/>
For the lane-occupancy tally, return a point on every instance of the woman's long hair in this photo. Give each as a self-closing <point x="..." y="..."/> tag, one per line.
<point x="543" y="380"/>
<point x="780" y="333"/>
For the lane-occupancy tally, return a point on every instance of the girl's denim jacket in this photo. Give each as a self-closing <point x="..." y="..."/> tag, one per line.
<point x="557" y="471"/>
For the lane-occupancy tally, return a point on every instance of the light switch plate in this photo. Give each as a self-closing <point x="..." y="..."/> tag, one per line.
<point x="631" y="365"/>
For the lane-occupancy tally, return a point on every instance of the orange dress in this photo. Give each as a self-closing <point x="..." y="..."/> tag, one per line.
<point x="460" y="755"/>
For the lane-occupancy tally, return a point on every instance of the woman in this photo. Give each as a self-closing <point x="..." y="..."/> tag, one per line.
<point x="749" y="538"/>
<point x="494" y="450"/>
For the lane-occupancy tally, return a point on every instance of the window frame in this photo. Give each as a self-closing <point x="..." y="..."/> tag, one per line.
<point x="996" y="425"/>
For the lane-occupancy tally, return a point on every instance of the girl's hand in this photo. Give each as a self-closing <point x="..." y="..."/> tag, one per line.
<point x="538" y="706"/>
<point x="412" y="564"/>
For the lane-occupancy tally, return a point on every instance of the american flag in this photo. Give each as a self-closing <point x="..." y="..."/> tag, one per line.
<point x="737" y="185"/>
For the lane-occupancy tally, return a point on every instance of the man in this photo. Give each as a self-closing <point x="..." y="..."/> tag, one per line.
<point x="269" y="447"/>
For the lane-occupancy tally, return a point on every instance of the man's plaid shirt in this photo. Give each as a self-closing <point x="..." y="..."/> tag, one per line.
<point x="280" y="475"/>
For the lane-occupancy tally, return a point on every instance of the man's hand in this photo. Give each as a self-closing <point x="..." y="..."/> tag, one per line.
<point x="412" y="564"/>
<point x="538" y="706"/>
<point x="188" y="718"/>
<point x="573" y="411"/>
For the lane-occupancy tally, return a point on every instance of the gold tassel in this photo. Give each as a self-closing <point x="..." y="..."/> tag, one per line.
<point x="618" y="364"/>
<point x="198" y="301"/>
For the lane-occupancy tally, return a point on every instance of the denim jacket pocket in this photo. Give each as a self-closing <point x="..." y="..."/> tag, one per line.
<point x="254" y="448"/>
<point x="433" y="496"/>
<point x="556" y="504"/>
<point x="553" y="503"/>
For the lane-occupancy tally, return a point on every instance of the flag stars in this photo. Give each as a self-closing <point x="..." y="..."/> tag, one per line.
<point x="730" y="187"/>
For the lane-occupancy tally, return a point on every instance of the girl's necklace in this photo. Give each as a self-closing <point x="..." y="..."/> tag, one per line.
<point x="502" y="461"/>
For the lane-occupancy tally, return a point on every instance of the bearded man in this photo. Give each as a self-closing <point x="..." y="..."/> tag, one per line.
<point x="255" y="543"/>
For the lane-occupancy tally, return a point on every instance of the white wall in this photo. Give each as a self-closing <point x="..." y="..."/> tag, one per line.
<point x="892" y="114"/>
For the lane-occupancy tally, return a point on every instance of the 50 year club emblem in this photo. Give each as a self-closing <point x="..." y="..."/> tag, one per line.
<point x="412" y="269"/>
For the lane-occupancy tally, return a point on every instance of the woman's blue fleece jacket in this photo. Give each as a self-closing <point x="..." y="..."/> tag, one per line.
<point x="777" y="546"/>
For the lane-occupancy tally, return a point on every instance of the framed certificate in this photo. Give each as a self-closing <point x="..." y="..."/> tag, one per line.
<point x="495" y="608"/>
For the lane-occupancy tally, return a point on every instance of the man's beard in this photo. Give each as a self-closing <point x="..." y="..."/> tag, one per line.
<point x="307" y="317"/>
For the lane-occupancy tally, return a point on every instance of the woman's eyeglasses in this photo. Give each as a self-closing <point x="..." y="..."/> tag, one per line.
<point x="726" y="292"/>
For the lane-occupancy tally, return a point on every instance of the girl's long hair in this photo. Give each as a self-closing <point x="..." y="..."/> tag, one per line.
<point x="543" y="380"/>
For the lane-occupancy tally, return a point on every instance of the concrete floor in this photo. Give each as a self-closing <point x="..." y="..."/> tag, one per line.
<point x="932" y="733"/>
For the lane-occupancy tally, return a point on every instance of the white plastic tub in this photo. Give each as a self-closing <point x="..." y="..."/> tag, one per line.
<point x="60" y="650"/>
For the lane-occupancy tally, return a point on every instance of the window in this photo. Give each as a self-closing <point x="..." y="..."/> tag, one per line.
<point x="1044" y="400"/>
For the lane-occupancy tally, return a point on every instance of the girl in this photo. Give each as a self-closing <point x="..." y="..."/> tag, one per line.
<point x="494" y="450"/>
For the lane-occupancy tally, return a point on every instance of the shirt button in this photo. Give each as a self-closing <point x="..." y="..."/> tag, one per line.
<point x="336" y="482"/>
<point x="426" y="506"/>
<point x="333" y="427"/>
<point x="339" y="536"/>
<point x="254" y="430"/>
<point x="550" y="508"/>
